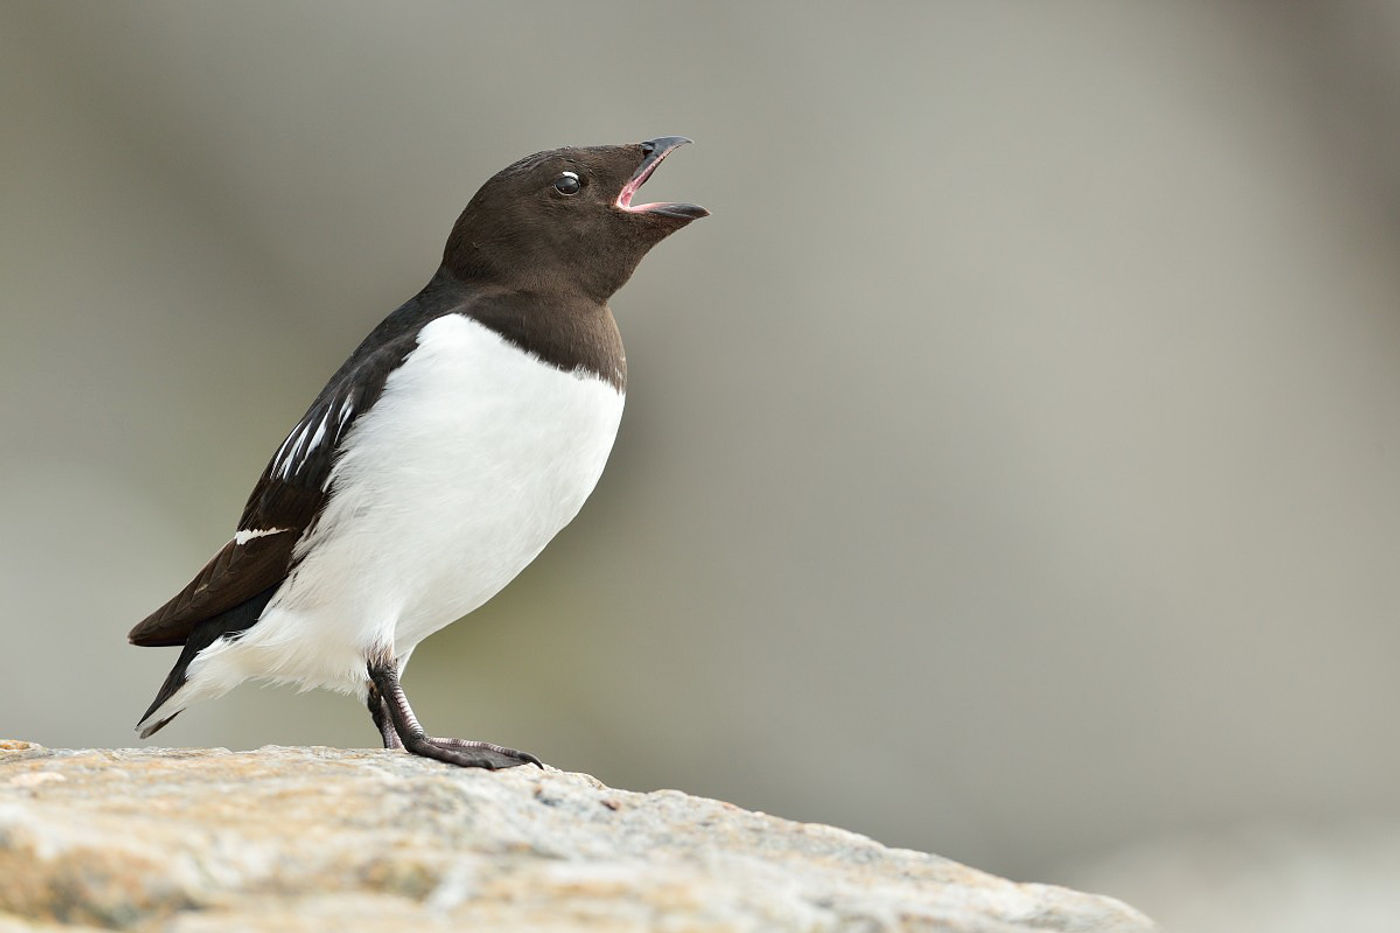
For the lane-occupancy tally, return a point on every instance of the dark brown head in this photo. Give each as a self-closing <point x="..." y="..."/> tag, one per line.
<point x="564" y="221"/>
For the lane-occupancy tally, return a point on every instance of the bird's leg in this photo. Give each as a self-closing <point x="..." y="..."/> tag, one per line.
<point x="379" y="712"/>
<point x="384" y="676"/>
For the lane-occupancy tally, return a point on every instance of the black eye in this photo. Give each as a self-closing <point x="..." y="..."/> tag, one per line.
<point x="567" y="183"/>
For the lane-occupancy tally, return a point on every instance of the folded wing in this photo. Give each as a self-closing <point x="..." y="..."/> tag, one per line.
<point x="284" y="504"/>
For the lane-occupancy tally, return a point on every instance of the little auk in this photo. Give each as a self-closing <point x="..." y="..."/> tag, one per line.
<point x="461" y="435"/>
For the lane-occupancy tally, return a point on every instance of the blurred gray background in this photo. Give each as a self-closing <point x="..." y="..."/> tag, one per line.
<point x="1010" y="463"/>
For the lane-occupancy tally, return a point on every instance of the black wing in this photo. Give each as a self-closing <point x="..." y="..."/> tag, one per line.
<point x="286" y="501"/>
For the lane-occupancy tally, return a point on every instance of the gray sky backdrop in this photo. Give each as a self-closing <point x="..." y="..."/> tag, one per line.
<point x="1010" y="463"/>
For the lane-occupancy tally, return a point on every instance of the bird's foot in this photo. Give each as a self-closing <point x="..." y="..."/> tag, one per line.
<point x="396" y="723"/>
<point x="468" y="754"/>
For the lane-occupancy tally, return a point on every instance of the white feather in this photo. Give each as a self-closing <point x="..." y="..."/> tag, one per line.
<point x="320" y="433"/>
<point x="243" y="536"/>
<point x="474" y="457"/>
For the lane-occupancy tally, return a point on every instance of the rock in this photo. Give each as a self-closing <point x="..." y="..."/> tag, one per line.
<point x="294" y="839"/>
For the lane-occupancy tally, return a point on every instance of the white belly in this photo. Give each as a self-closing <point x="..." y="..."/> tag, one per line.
<point x="473" y="458"/>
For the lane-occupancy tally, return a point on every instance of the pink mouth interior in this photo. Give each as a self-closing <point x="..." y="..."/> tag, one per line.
<point x="624" y="198"/>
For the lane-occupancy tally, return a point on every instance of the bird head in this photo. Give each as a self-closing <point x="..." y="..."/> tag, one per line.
<point x="564" y="220"/>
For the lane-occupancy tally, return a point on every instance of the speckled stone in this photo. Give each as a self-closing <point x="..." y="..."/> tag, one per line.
<point x="311" y="839"/>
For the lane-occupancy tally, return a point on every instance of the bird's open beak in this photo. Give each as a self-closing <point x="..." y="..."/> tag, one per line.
<point x="655" y="150"/>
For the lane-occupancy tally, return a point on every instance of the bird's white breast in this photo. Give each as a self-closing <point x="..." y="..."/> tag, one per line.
<point x="473" y="458"/>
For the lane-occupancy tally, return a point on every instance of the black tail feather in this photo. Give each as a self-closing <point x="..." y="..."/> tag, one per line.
<point x="231" y="623"/>
<point x="151" y="730"/>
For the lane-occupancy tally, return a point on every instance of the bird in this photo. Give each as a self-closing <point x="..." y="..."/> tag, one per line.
<point x="442" y="456"/>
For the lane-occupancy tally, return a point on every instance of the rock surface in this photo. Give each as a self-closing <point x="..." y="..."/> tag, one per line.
<point x="294" y="839"/>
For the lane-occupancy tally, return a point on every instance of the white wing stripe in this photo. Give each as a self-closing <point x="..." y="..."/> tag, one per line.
<point x="347" y="408"/>
<point x="303" y="439"/>
<point x="320" y="432"/>
<point x="244" y="535"/>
